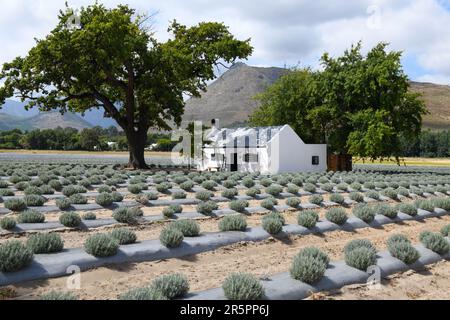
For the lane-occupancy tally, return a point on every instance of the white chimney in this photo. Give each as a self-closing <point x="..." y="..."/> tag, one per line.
<point x="215" y="124"/>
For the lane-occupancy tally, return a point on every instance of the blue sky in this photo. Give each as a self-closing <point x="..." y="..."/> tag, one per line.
<point x="284" y="32"/>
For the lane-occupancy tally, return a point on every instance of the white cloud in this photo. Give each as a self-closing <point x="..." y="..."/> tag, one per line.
<point x="282" y="32"/>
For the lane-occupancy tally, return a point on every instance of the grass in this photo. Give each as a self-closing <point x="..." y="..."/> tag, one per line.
<point x="420" y="162"/>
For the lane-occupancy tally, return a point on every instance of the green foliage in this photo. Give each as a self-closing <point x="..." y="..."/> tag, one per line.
<point x="309" y="265"/>
<point x="125" y="215"/>
<point x="446" y="230"/>
<point x="364" y="212"/>
<point x="179" y="195"/>
<point x="230" y="193"/>
<point x="31" y="216"/>
<point x="78" y="199"/>
<point x="101" y="245"/>
<point x="207" y="207"/>
<point x="7" y="223"/>
<point x="144" y="293"/>
<point x="168" y="213"/>
<point x="56" y="295"/>
<point x="373" y="195"/>
<point x="308" y="218"/>
<point x="14" y="256"/>
<point x="116" y="196"/>
<point x="359" y="243"/>
<point x="360" y="258"/>
<point x="240" y="286"/>
<point x="15" y="204"/>
<point x="203" y="195"/>
<point x="356" y="196"/>
<point x="272" y="225"/>
<point x="70" y="219"/>
<point x="337" y="198"/>
<point x="41" y="243"/>
<point x="274" y="190"/>
<point x="34" y="200"/>
<point x="435" y="242"/>
<point x="238" y="205"/>
<point x="171" y="237"/>
<point x="293" y="202"/>
<point x="337" y="216"/>
<point x="104" y="199"/>
<point x="316" y="199"/>
<point x="386" y="210"/>
<point x="233" y="223"/>
<point x="124" y="236"/>
<point x="424" y="205"/>
<point x="189" y="228"/>
<point x="63" y="203"/>
<point x="176" y="208"/>
<point x="407" y="208"/>
<point x="390" y="193"/>
<point x="89" y="216"/>
<point x="309" y="187"/>
<point x="171" y="286"/>
<point x="33" y="190"/>
<point x="134" y="188"/>
<point x="269" y="203"/>
<point x="400" y="247"/>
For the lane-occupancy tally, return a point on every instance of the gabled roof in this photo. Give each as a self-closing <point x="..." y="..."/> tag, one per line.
<point x="258" y="136"/>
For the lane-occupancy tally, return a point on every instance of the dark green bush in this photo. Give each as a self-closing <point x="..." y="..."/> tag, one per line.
<point x="407" y="208"/>
<point x="116" y="196"/>
<point x="316" y="199"/>
<point x="14" y="256"/>
<point x="104" y="199"/>
<point x="15" y="204"/>
<point x="359" y="243"/>
<point x="239" y="286"/>
<point x="41" y="243"/>
<point x="89" y="216"/>
<point x="31" y="216"/>
<point x="373" y="195"/>
<point x="135" y="188"/>
<point x="204" y="195"/>
<point x="33" y="190"/>
<point x="207" y="207"/>
<point x="446" y="230"/>
<point x="293" y="202"/>
<point x="124" y="236"/>
<point x="308" y="187"/>
<point x="238" y="205"/>
<point x="233" y="223"/>
<point x="34" y="200"/>
<point x="70" y="219"/>
<point x="168" y="213"/>
<point x="337" y="216"/>
<point x="7" y="223"/>
<point x="229" y="193"/>
<point x="63" y="203"/>
<point x="253" y="192"/>
<point x="78" y="199"/>
<point x="308" y="218"/>
<point x="101" y="245"/>
<point x="125" y="215"/>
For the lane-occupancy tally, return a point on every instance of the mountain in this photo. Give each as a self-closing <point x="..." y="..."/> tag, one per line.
<point x="437" y="100"/>
<point x="230" y="98"/>
<point x="54" y="119"/>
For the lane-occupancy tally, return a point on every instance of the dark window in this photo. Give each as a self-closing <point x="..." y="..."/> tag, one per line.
<point x="315" y="160"/>
<point x="213" y="156"/>
<point x="249" y="157"/>
<point x="224" y="135"/>
<point x="247" y="142"/>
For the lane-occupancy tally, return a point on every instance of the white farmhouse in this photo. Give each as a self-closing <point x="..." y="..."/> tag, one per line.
<point x="268" y="150"/>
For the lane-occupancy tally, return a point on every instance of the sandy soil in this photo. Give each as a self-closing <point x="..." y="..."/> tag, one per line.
<point x="208" y="270"/>
<point x="433" y="283"/>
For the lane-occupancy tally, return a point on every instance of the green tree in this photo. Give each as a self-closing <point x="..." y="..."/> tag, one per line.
<point x="359" y="105"/>
<point x="89" y="139"/>
<point x="113" y="61"/>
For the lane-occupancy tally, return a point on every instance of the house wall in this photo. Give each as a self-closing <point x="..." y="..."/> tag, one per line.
<point x="288" y="153"/>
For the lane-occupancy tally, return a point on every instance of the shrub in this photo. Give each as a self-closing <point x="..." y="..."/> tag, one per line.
<point x="70" y="219"/>
<point x="293" y="202"/>
<point x="171" y="286"/>
<point x="275" y="215"/>
<point x="390" y="193"/>
<point x="356" y="196"/>
<point x="316" y="199"/>
<point x="274" y="190"/>
<point x="424" y="205"/>
<point x="15" y="204"/>
<point x="248" y="182"/>
<point x="364" y="212"/>
<point x="446" y="230"/>
<point x="144" y="293"/>
<point x="6" y="193"/>
<point x="135" y="188"/>
<point x="142" y="199"/>
<point x="69" y="190"/>
<point x="360" y="258"/>
<point x="269" y="203"/>
<point x="342" y="187"/>
<point x="229" y="193"/>
<point x="266" y="182"/>
<point x="309" y="265"/>
<point x="63" y="203"/>
<point x="14" y="256"/>
<point x="403" y="251"/>
<point x="386" y="210"/>
<point x="104" y="189"/>
<point x="189" y="228"/>
<point x="101" y="245"/>
<point x="78" y="199"/>
<point x="337" y="198"/>
<point x="309" y="187"/>
<point x="89" y="216"/>
<point x="359" y="243"/>
<point x="207" y="207"/>
<point x="229" y="184"/>
<point x="307" y="219"/>
<point x="19" y="186"/>
<point x="116" y="196"/>
<point x="356" y="186"/>
<point x="203" y="195"/>
<point x="124" y="236"/>
<point x="46" y="189"/>
<point x="45" y="243"/>
<point x="403" y="192"/>
<point x="373" y="195"/>
<point x="238" y="205"/>
<point x="125" y="215"/>
<point x="179" y="195"/>
<point x="56" y="295"/>
<point x="176" y="208"/>
<point x="209" y="184"/>
<point x="240" y="286"/>
<point x="34" y="200"/>
<point x="253" y="192"/>
<point x="187" y="186"/>
<point x="435" y="242"/>
<point x="7" y="223"/>
<point x="233" y="223"/>
<point x="407" y="208"/>
<point x="32" y="190"/>
<point x="292" y="188"/>
<point x="442" y="203"/>
<point x="272" y="225"/>
<point x="104" y="199"/>
<point x="163" y="187"/>
<point x="171" y="237"/>
<point x="31" y="216"/>
<point x="168" y="213"/>
<point x="337" y="216"/>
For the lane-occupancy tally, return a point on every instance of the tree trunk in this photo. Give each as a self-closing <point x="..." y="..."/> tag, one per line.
<point x="137" y="143"/>
<point x="340" y="162"/>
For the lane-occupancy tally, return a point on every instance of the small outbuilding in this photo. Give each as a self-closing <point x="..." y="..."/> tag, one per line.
<point x="269" y="150"/>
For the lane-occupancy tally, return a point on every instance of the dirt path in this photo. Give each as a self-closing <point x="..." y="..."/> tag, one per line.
<point x="208" y="270"/>
<point x="430" y="284"/>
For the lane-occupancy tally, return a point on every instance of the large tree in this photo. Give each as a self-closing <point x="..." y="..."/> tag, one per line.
<point x="113" y="61"/>
<point x="358" y="104"/>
